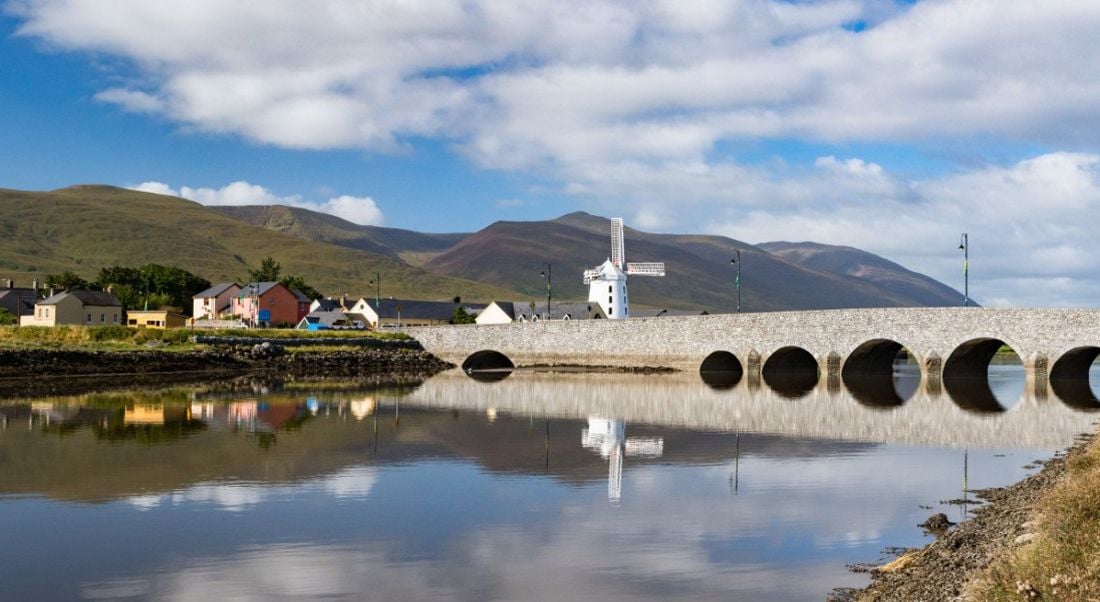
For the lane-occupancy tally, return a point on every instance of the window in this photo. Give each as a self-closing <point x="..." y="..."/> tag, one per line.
<point x="610" y="300"/>
<point x="609" y="288"/>
<point x="610" y="310"/>
<point x="116" y="319"/>
<point x="102" y="318"/>
<point x="89" y="318"/>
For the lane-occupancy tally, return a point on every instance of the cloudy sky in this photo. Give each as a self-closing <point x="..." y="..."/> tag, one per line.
<point x="889" y="125"/>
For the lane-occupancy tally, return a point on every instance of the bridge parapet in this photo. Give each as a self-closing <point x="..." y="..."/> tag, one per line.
<point x="939" y="339"/>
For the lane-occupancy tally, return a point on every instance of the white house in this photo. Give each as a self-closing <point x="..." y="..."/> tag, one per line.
<point x="214" y="301"/>
<point x="497" y="312"/>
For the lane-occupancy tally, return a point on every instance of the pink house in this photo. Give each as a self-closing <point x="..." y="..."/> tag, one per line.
<point x="269" y="303"/>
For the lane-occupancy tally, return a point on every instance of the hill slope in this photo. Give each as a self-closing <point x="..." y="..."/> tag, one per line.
<point x="848" y="261"/>
<point x="699" y="273"/>
<point x="85" y="228"/>
<point x="412" y="247"/>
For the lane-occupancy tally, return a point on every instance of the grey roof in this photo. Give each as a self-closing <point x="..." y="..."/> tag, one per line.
<point x="18" y="301"/>
<point x="667" y="313"/>
<point x="559" y="310"/>
<point x="261" y="288"/>
<point x="94" y="298"/>
<point x="413" y="309"/>
<point x="215" y="290"/>
<point x="328" y="305"/>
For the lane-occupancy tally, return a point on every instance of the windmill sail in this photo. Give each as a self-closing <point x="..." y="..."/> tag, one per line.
<point x="618" y="251"/>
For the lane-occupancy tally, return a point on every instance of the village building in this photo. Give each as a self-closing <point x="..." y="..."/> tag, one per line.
<point x="214" y="301"/>
<point x="18" y="301"/>
<point x="328" y="319"/>
<point x="497" y="312"/>
<point x="269" y="304"/>
<point x="156" y="318"/>
<point x="398" y="313"/>
<point x="75" y="307"/>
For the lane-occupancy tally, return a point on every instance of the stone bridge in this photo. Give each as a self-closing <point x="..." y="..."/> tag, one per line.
<point x="947" y="343"/>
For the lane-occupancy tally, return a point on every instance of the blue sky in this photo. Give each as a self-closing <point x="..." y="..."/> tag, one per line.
<point x="891" y="126"/>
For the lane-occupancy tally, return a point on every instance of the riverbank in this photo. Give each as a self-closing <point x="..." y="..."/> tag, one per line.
<point x="1014" y="547"/>
<point x="27" y="371"/>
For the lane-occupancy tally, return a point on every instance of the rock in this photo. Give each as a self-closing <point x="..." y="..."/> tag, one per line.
<point x="1025" y="538"/>
<point x="936" y="523"/>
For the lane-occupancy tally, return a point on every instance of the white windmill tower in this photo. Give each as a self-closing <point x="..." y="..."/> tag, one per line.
<point x="607" y="282"/>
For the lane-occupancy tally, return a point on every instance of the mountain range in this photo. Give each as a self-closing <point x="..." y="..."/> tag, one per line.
<point x="84" y="228"/>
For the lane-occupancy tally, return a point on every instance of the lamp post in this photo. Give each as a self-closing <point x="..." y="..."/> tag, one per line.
<point x="964" y="246"/>
<point x="377" y="282"/>
<point x="549" y="283"/>
<point x="737" y="280"/>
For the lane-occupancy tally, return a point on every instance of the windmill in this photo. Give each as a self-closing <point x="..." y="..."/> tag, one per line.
<point x="607" y="282"/>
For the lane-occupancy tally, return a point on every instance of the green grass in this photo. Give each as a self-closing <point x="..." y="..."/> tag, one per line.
<point x="1063" y="561"/>
<point x="125" y="338"/>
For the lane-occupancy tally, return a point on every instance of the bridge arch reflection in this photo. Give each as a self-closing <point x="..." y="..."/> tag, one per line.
<point x="721" y="370"/>
<point x="791" y="372"/>
<point x="1070" y="378"/>
<point x="487" y="360"/>
<point x="966" y="374"/>
<point x="869" y="374"/>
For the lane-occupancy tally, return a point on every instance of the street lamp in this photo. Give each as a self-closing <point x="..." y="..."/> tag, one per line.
<point x="964" y="246"/>
<point x="737" y="281"/>
<point x="377" y="282"/>
<point x="549" y="278"/>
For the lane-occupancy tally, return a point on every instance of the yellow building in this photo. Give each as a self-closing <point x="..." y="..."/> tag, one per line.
<point x="159" y="318"/>
<point x="75" y="307"/>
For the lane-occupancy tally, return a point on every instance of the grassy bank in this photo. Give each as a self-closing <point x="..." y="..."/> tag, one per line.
<point x="1062" y="561"/>
<point x="122" y="338"/>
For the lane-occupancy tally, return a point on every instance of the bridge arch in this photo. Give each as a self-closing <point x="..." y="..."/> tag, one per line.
<point x="721" y="370"/>
<point x="791" y="371"/>
<point x="1070" y="379"/>
<point x="966" y="375"/>
<point x="868" y="374"/>
<point x="487" y="359"/>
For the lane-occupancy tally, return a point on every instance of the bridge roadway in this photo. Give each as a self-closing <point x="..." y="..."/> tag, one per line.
<point x="947" y="343"/>
<point x="829" y="411"/>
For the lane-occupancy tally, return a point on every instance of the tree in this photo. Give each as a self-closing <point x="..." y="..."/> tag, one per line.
<point x="462" y="316"/>
<point x="298" y="283"/>
<point x="159" y="285"/>
<point x="65" y="281"/>
<point x="268" y="271"/>
<point x="6" y="318"/>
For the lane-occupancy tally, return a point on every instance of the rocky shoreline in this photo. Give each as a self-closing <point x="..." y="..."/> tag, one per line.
<point x="26" y="372"/>
<point x="942" y="569"/>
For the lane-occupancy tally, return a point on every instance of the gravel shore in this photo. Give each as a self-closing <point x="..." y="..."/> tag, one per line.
<point x="942" y="569"/>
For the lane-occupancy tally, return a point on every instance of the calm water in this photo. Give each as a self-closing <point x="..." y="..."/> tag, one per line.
<point x="536" y="487"/>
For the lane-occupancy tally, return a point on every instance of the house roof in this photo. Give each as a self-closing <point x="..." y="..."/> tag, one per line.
<point x="558" y="311"/>
<point x="18" y="300"/>
<point x="262" y="288"/>
<point x="413" y="309"/>
<point x="508" y="307"/>
<point x="328" y="305"/>
<point x="94" y="298"/>
<point x="216" y="290"/>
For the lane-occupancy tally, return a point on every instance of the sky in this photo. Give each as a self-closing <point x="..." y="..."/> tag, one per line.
<point x="889" y="125"/>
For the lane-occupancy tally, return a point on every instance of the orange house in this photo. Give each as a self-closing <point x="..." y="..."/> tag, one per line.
<point x="269" y="304"/>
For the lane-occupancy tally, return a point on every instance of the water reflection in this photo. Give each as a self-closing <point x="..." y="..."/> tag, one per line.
<point x="459" y="490"/>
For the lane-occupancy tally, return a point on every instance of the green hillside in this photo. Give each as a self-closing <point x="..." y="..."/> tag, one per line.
<point x="412" y="247"/>
<point x="85" y="228"/>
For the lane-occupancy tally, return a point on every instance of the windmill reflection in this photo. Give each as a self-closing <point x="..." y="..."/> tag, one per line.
<point x="608" y="438"/>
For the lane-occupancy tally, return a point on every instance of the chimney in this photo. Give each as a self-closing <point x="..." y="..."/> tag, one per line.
<point x="344" y="301"/>
<point x="51" y="293"/>
<point x="34" y="284"/>
<point x="11" y="283"/>
<point x="110" y="288"/>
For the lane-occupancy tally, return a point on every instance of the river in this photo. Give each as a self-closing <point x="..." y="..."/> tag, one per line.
<point x="537" y="486"/>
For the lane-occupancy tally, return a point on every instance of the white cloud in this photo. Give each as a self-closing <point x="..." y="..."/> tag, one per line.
<point x="626" y="100"/>
<point x="359" y="210"/>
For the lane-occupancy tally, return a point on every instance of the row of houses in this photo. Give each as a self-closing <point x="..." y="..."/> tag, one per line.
<point x="275" y="304"/>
